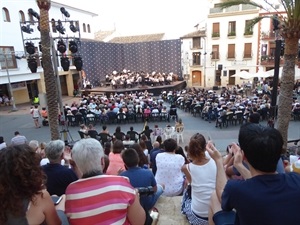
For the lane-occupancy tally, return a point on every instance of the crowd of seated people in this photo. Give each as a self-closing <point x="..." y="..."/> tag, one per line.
<point x="202" y="168"/>
<point x="118" y="108"/>
<point x="129" y="79"/>
<point x="224" y="109"/>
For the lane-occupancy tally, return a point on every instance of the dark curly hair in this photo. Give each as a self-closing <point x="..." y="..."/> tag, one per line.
<point x="197" y="146"/>
<point x="21" y="178"/>
<point x="142" y="157"/>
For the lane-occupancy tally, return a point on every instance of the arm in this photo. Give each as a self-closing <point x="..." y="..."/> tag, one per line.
<point x="136" y="214"/>
<point x="49" y="210"/>
<point x="221" y="179"/>
<point x="238" y="163"/>
<point x="186" y="173"/>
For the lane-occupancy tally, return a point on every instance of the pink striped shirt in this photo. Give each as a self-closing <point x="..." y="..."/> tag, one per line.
<point x="99" y="200"/>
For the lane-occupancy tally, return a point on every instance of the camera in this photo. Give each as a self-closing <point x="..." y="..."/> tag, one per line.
<point x="145" y="191"/>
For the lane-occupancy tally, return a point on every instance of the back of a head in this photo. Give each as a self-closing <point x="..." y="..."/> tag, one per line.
<point x="34" y="144"/>
<point x="262" y="146"/>
<point x="170" y="145"/>
<point x="130" y="157"/>
<point x="1" y="139"/>
<point x="54" y="150"/>
<point x="17" y="132"/>
<point x="118" y="146"/>
<point x="197" y="146"/>
<point x="156" y="144"/>
<point x="87" y="154"/>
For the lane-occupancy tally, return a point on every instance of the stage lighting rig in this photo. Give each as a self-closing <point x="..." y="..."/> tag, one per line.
<point x="60" y="27"/>
<point x="30" y="49"/>
<point x="72" y="27"/>
<point x="27" y="29"/>
<point x="65" y="12"/>
<point x="61" y="46"/>
<point x="73" y="46"/>
<point x="65" y="63"/>
<point x="32" y="64"/>
<point x="34" y="13"/>
<point x="78" y="63"/>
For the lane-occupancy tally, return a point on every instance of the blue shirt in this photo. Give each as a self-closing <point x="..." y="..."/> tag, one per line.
<point x="264" y="199"/>
<point x="58" y="178"/>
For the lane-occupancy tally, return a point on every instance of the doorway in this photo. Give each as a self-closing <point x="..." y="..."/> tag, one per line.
<point x="231" y="80"/>
<point x="196" y="78"/>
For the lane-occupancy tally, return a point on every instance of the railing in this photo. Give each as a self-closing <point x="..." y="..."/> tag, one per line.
<point x="268" y="60"/>
<point x="247" y="55"/>
<point x="215" y="34"/>
<point x="215" y="56"/>
<point x="268" y="35"/>
<point x="247" y="7"/>
<point x="232" y="8"/>
<point x="215" y="10"/>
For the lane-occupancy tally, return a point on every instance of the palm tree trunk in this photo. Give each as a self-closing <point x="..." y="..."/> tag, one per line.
<point x="50" y="80"/>
<point x="286" y="87"/>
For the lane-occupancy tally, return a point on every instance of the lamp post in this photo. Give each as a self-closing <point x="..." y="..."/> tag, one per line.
<point x="278" y="43"/>
<point x="9" y="85"/>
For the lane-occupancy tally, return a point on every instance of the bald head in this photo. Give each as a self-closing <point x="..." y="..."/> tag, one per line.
<point x="156" y="144"/>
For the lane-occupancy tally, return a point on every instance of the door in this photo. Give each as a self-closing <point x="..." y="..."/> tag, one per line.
<point x="231" y="79"/>
<point x="196" y="78"/>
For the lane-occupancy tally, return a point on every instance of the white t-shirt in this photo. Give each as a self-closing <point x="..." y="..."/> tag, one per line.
<point x="169" y="173"/>
<point x="35" y="113"/>
<point x="203" y="184"/>
<point x="3" y="145"/>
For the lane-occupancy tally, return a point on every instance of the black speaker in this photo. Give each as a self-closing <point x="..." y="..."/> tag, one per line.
<point x="220" y="66"/>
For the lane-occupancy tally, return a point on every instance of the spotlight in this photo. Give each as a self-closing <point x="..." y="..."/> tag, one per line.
<point x="30" y="49"/>
<point x="72" y="27"/>
<point x="65" y="63"/>
<point x="61" y="46"/>
<point x="40" y="46"/>
<point x="34" y="13"/>
<point x="60" y="27"/>
<point x="73" y="46"/>
<point x="65" y="12"/>
<point x="78" y="63"/>
<point x="27" y="29"/>
<point x="32" y="64"/>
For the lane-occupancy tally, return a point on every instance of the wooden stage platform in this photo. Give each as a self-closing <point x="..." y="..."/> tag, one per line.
<point x="156" y="90"/>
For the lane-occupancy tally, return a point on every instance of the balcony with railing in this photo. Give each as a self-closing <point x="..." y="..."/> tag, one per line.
<point x="215" y="55"/>
<point x="231" y="55"/>
<point x="234" y="8"/>
<point x="269" y="60"/>
<point x="247" y="55"/>
<point x="269" y="35"/>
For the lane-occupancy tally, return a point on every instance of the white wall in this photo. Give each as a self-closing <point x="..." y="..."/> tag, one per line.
<point x="11" y="34"/>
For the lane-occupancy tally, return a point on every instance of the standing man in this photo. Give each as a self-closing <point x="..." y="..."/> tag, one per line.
<point x="265" y="197"/>
<point x="18" y="139"/>
<point x="35" y="112"/>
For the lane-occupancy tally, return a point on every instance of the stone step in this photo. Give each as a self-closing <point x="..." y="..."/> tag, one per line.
<point x="169" y="211"/>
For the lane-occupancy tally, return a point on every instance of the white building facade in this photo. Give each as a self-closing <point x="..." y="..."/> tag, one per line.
<point x="25" y="84"/>
<point x="231" y="45"/>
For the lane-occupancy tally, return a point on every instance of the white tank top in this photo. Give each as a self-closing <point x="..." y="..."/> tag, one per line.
<point x="203" y="184"/>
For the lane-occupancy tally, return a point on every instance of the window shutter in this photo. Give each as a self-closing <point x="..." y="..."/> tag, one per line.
<point x="231" y="51"/>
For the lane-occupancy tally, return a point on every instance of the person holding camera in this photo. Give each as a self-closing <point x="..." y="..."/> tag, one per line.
<point x="99" y="198"/>
<point x="265" y="194"/>
<point x="142" y="179"/>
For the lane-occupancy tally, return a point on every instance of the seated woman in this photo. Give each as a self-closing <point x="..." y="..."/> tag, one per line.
<point x="201" y="174"/>
<point x="119" y="135"/>
<point x="169" y="169"/>
<point x="116" y="164"/>
<point x="24" y="200"/>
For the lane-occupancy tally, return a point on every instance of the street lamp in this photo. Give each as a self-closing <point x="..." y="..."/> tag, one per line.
<point x="12" y="100"/>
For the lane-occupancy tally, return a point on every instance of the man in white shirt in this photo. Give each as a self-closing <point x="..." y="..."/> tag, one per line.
<point x="18" y="139"/>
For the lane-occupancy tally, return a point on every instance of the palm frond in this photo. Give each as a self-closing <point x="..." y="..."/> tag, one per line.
<point x="255" y="20"/>
<point x="230" y="3"/>
<point x="288" y="5"/>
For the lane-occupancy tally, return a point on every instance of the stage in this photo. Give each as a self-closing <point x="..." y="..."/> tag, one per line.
<point x="156" y="90"/>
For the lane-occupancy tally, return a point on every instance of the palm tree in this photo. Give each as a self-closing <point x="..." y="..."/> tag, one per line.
<point x="50" y="80"/>
<point x="289" y="25"/>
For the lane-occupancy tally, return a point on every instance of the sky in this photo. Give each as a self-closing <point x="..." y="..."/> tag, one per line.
<point x="133" y="17"/>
